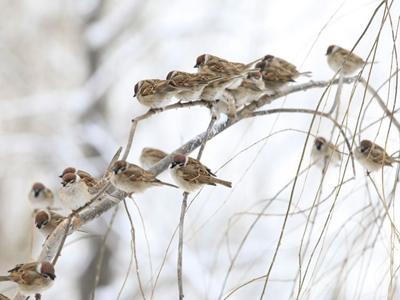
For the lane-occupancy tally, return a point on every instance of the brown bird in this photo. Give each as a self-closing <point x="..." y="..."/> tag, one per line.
<point x="190" y="174"/>
<point x="131" y="178"/>
<point x="32" y="278"/>
<point x="324" y="151"/>
<point x="372" y="156"/>
<point x="151" y="156"/>
<point x="213" y="64"/>
<point x="77" y="190"/>
<point x="284" y="65"/>
<point x="341" y="59"/>
<point x="154" y="92"/>
<point x="251" y="89"/>
<point x="190" y="85"/>
<point x="40" y="196"/>
<point x="47" y="220"/>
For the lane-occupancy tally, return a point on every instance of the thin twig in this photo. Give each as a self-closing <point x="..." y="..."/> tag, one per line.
<point x="133" y="245"/>
<point x="180" y="245"/>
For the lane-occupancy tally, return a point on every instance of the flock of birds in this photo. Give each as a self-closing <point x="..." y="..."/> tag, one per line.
<point x="228" y="86"/>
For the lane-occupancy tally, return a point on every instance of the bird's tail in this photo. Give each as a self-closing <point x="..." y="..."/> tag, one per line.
<point x="5" y="278"/>
<point x="223" y="182"/>
<point x="168" y="184"/>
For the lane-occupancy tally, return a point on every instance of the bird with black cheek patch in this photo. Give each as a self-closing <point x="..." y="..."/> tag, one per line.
<point x="277" y="74"/>
<point x="40" y="196"/>
<point x="372" y="156"/>
<point x="133" y="179"/>
<point x="150" y="156"/>
<point x="190" y="85"/>
<point x="32" y="278"/>
<point x="324" y="151"/>
<point x="251" y="89"/>
<point x="76" y="191"/>
<point x="341" y="59"/>
<point x="155" y="93"/>
<point x="207" y="63"/>
<point x="47" y="220"/>
<point x="280" y="63"/>
<point x="190" y="174"/>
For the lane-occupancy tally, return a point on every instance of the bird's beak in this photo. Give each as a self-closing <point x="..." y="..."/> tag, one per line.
<point x="134" y="95"/>
<point x="51" y="275"/>
<point x="173" y="164"/>
<point x="196" y="66"/>
<point x="36" y="193"/>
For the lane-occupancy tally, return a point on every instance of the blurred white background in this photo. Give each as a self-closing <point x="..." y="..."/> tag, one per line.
<point x="68" y="69"/>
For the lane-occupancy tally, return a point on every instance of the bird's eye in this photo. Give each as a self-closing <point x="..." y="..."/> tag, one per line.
<point x="45" y="223"/>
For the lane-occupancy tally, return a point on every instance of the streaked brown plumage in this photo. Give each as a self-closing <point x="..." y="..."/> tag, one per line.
<point x="190" y="85"/>
<point x="151" y="156"/>
<point x="213" y="64"/>
<point x="32" y="278"/>
<point x="131" y="178"/>
<point x="190" y="174"/>
<point x="47" y="220"/>
<point x="154" y="92"/>
<point x="372" y="156"/>
<point x="341" y="59"/>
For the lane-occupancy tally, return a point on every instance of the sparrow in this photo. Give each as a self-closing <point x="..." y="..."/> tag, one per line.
<point x="76" y="191"/>
<point x="213" y="64"/>
<point x="277" y="74"/>
<point x="32" y="278"/>
<point x="372" y="156"/>
<point x="251" y="89"/>
<point x="341" y="59"/>
<point x="274" y="77"/>
<point x="324" y="152"/>
<point x="131" y="178"/>
<point x="151" y="156"/>
<point x="47" y="220"/>
<point x="284" y="65"/>
<point x="190" y="85"/>
<point x="40" y="196"/>
<point x="190" y="174"/>
<point x="154" y="92"/>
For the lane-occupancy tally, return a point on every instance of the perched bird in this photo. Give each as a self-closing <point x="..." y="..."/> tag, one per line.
<point x="75" y="171"/>
<point x="213" y="64"/>
<point x="154" y="92"/>
<point x="151" y="156"/>
<point x="277" y="72"/>
<point x="76" y="191"/>
<point x="284" y="65"/>
<point x="251" y="89"/>
<point x="372" y="156"/>
<point x="274" y="77"/>
<point x="341" y="59"/>
<point x="32" y="278"/>
<point x="190" y="174"/>
<point x="190" y="85"/>
<point x="40" y="196"/>
<point x="47" y="220"/>
<point x="131" y="178"/>
<point x="324" y="152"/>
